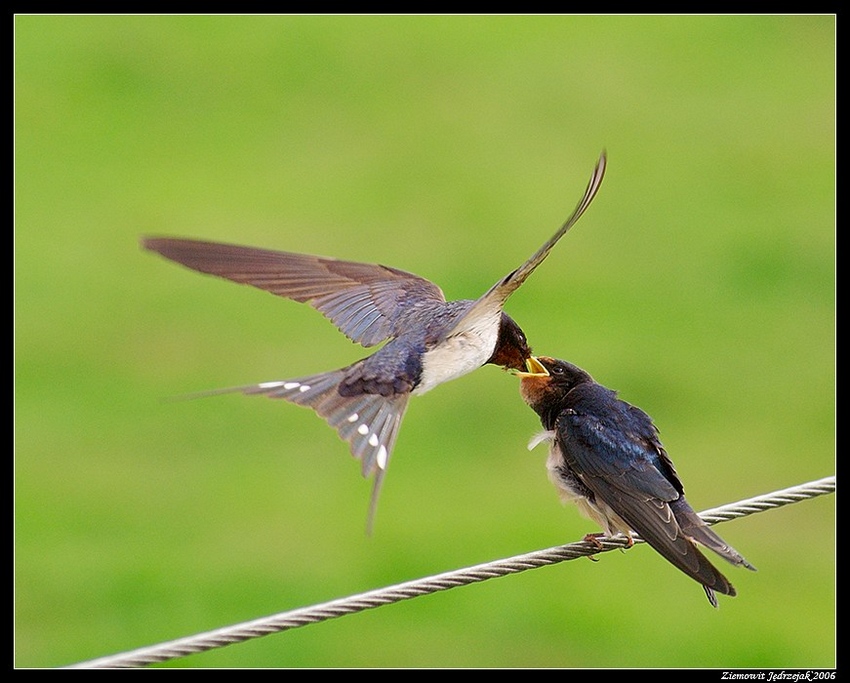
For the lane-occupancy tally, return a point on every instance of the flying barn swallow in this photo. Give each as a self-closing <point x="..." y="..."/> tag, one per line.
<point x="431" y="340"/>
<point x="606" y="456"/>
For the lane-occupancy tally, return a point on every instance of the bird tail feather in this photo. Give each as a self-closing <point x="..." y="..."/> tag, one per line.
<point x="696" y="529"/>
<point x="368" y="422"/>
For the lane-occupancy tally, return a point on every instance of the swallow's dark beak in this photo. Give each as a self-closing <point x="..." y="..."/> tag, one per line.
<point x="534" y="368"/>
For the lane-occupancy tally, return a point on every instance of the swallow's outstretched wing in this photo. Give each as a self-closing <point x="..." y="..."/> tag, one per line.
<point x="363" y="300"/>
<point x="494" y="299"/>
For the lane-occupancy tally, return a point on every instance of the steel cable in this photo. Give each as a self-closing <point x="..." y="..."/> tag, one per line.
<point x="403" y="591"/>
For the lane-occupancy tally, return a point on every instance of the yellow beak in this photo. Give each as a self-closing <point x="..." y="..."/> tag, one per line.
<point x="534" y="367"/>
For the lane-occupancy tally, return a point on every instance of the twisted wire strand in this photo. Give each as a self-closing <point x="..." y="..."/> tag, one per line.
<point x="410" y="589"/>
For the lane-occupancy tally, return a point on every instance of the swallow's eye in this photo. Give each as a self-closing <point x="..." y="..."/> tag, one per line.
<point x="557" y="370"/>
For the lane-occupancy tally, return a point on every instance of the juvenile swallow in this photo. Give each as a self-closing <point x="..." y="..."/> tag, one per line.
<point x="430" y="340"/>
<point x="606" y="456"/>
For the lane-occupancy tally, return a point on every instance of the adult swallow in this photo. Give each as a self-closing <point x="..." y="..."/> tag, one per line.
<point x="431" y="340"/>
<point x="606" y="456"/>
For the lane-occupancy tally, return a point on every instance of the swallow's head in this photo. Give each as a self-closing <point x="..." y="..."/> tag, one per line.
<point x="512" y="350"/>
<point x="546" y="381"/>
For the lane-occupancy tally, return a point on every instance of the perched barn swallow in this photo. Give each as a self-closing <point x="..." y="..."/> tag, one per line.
<point x="606" y="456"/>
<point x="431" y="340"/>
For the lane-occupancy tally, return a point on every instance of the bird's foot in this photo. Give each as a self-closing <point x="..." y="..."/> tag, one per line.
<point x="594" y="540"/>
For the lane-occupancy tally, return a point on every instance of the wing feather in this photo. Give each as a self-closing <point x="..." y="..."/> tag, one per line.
<point x="363" y="300"/>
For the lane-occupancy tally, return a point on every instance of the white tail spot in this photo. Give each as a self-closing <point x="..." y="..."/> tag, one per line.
<point x="353" y="417"/>
<point x="291" y="385"/>
<point x="269" y="385"/>
<point x="363" y="429"/>
<point x="382" y="458"/>
<point x="373" y="440"/>
<point x="304" y="387"/>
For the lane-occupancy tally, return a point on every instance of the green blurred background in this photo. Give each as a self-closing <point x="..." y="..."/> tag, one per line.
<point x="700" y="284"/>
